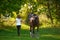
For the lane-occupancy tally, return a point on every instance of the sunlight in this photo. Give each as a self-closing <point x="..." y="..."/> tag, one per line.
<point x="51" y="35"/>
<point x="25" y="26"/>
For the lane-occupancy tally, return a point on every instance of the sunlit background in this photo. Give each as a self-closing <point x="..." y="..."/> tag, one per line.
<point x="48" y="12"/>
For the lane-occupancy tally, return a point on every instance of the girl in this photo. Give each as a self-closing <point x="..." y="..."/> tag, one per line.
<point x="18" y="24"/>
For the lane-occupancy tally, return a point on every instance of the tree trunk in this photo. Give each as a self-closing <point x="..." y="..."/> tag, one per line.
<point x="50" y="15"/>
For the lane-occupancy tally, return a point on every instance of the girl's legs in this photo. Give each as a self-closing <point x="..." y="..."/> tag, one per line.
<point x="18" y="29"/>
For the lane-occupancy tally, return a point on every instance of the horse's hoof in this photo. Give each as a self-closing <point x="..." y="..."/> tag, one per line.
<point x="31" y="35"/>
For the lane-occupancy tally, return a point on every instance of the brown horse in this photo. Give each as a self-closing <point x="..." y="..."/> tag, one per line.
<point x="34" y="22"/>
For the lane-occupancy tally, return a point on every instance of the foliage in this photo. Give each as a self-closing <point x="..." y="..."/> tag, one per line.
<point x="49" y="7"/>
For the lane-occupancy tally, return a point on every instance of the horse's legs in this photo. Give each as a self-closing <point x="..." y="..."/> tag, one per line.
<point x="33" y="30"/>
<point x="30" y="29"/>
<point x="37" y="28"/>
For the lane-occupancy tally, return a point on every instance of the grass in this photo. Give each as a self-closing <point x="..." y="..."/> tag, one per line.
<point x="44" y="34"/>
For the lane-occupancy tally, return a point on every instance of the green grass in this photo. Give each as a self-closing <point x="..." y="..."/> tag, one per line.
<point x="44" y="34"/>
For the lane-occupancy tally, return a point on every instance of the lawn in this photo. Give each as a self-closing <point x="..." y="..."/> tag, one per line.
<point x="44" y="34"/>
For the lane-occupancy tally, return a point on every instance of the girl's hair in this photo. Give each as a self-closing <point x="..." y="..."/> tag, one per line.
<point x="18" y="16"/>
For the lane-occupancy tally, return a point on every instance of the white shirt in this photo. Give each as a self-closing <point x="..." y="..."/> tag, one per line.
<point x="18" y="21"/>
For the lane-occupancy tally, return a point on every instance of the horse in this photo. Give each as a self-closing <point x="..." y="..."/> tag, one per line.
<point x="33" y="22"/>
